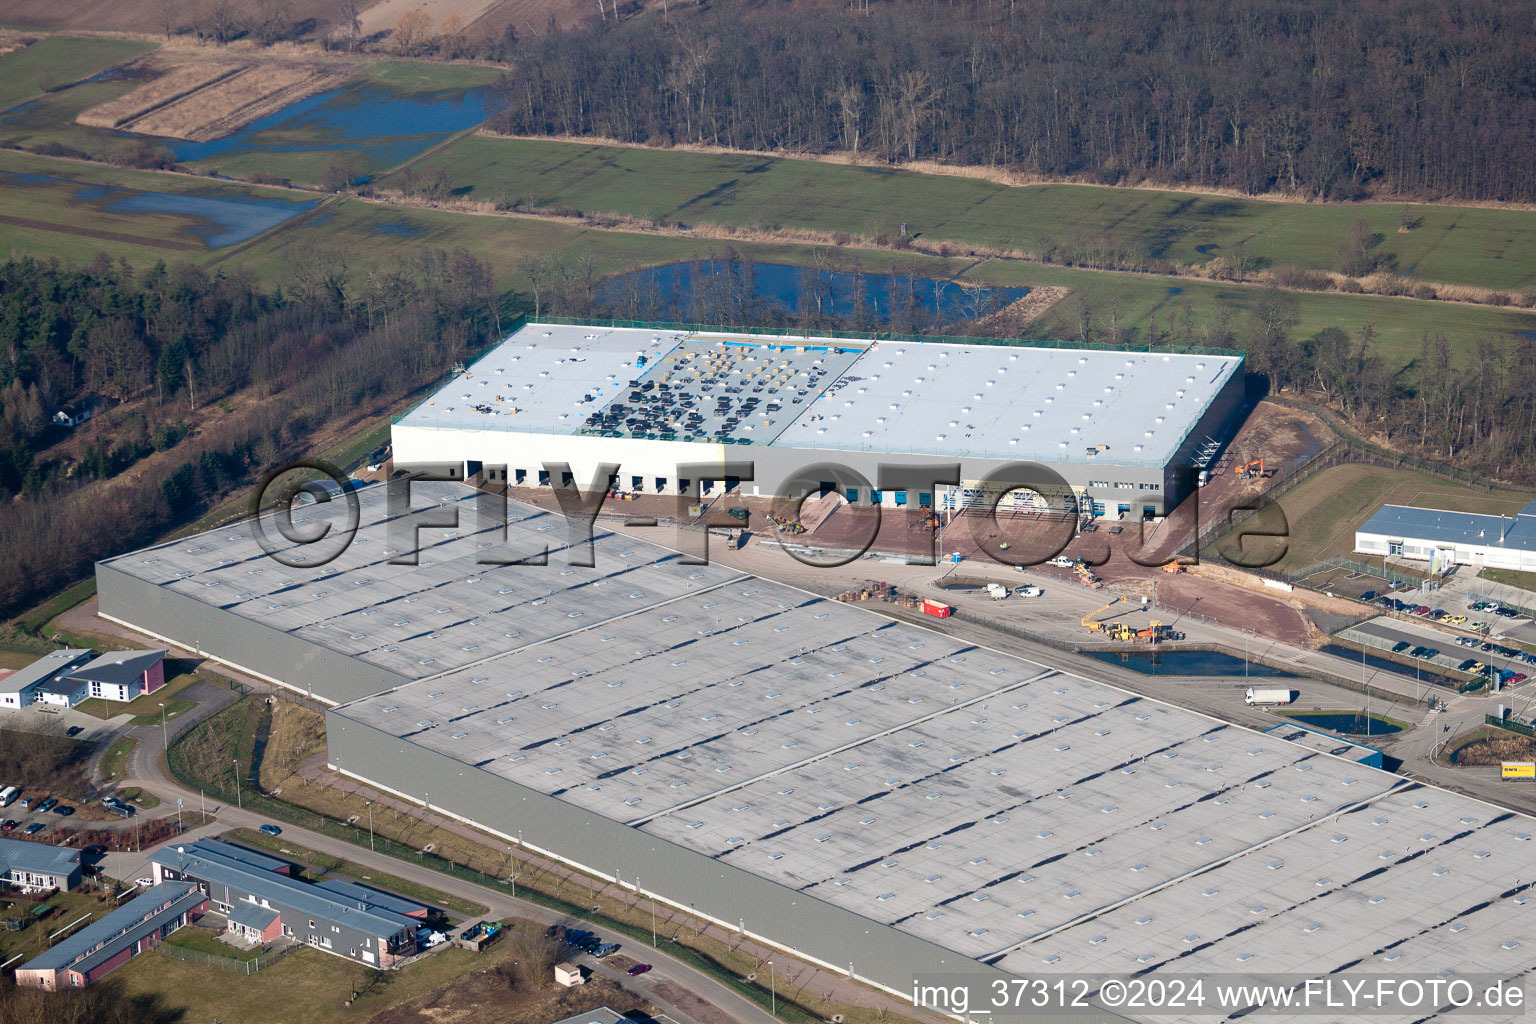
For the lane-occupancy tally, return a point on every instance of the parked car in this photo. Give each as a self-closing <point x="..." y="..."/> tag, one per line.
<point x="1420" y="609"/>
<point x="271" y="830"/>
<point x="638" y="969"/>
<point x="27" y="802"/>
<point x="1400" y="647"/>
<point x="74" y="730"/>
<point x="63" y="810"/>
<point x="1369" y="595"/>
<point x="1466" y="666"/>
<point x="1477" y="627"/>
<point x="145" y="882"/>
<point x="95" y="850"/>
<point x="1507" y="613"/>
<point x="48" y="805"/>
<point x="1529" y="659"/>
<point x="1430" y="652"/>
<point x="1457" y="620"/>
<point x="1476" y="668"/>
<point x="7" y="824"/>
<point x="606" y="949"/>
<point x="34" y="828"/>
<point x="1518" y="677"/>
<point x="1485" y="647"/>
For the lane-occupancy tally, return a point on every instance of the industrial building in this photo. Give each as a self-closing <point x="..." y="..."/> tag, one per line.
<point x="38" y="866"/>
<point x="105" y="945"/>
<point x="874" y="796"/>
<point x="1444" y="539"/>
<point x="1126" y="431"/>
<point x="262" y="900"/>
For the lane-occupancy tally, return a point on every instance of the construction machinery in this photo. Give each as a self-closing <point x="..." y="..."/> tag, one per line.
<point x="1086" y="576"/>
<point x="1093" y="626"/>
<point x="1173" y="567"/>
<point x="1252" y="471"/>
<point x="1157" y="632"/>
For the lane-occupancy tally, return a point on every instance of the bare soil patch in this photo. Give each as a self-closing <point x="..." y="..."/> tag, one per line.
<point x="206" y="99"/>
<point x="176" y="83"/>
<point x="14" y="41"/>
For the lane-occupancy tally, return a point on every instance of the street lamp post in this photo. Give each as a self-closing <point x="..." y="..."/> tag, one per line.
<point x="370" y="825"/>
<point x="773" y="989"/>
<point x="239" y="802"/>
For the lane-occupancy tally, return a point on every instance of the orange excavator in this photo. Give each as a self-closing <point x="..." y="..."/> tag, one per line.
<point x="1254" y="470"/>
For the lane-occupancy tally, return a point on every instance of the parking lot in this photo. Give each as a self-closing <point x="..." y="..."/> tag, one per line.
<point x="1388" y="633"/>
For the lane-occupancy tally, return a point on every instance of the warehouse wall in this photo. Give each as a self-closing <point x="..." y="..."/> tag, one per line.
<point x="807" y="926"/>
<point x="238" y="642"/>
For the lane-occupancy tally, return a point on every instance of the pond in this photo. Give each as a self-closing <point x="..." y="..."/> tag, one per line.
<point x="1347" y="724"/>
<point x="1188" y="663"/>
<point x="388" y="127"/>
<point x="679" y="291"/>
<point x="226" y="218"/>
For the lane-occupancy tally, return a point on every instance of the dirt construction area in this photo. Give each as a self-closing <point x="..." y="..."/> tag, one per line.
<point x="201" y="100"/>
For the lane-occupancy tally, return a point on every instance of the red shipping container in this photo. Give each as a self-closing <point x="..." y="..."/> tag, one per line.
<point x="938" y="609"/>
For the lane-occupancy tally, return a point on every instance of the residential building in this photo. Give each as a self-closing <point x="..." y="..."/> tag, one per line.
<point x="103" y="946"/>
<point x="35" y="866"/>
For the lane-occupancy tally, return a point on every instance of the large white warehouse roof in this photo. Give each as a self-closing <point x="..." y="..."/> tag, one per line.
<point x="984" y="401"/>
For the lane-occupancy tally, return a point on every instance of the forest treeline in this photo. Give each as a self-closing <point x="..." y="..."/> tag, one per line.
<point x="204" y="382"/>
<point x="1302" y="96"/>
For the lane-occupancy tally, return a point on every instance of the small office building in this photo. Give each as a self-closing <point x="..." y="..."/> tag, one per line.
<point x="38" y="866"/>
<point x="20" y="689"/>
<point x="1444" y="539"/>
<point x="123" y="675"/>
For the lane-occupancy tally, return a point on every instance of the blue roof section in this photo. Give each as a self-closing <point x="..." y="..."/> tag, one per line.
<point x="1529" y="510"/>
<point x="207" y="861"/>
<point x="119" y="929"/>
<point x="358" y="891"/>
<point x="239" y="855"/>
<point x="1400" y="521"/>
<point x="39" y="858"/>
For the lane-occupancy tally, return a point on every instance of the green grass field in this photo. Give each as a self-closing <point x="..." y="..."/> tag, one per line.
<point x="55" y="208"/>
<point x="1325" y="510"/>
<point x="305" y="987"/>
<point x="56" y="61"/>
<point x="1492" y="248"/>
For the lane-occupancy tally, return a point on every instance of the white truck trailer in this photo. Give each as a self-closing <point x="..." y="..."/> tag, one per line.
<point x="1256" y="695"/>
